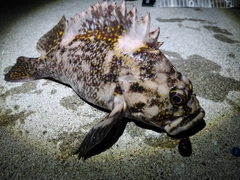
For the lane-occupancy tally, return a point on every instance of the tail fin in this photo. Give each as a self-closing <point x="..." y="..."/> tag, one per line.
<point x="22" y="71"/>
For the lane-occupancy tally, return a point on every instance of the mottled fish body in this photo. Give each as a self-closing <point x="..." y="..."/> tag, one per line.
<point x="111" y="59"/>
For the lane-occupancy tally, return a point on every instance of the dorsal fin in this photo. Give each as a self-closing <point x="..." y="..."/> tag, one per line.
<point x="52" y="37"/>
<point x="152" y="41"/>
<point x="109" y="22"/>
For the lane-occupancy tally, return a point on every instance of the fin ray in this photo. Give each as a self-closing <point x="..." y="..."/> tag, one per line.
<point x="104" y="134"/>
<point x="111" y="20"/>
<point x="52" y="37"/>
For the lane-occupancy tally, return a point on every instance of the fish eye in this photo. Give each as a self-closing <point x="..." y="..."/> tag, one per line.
<point x="177" y="98"/>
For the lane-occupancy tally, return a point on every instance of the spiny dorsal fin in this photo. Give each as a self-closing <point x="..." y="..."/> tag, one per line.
<point x="52" y="37"/>
<point x="104" y="19"/>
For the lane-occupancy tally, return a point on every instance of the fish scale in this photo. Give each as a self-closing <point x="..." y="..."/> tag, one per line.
<point x="112" y="60"/>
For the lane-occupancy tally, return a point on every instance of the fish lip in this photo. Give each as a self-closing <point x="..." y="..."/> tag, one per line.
<point x="186" y="123"/>
<point x="194" y="117"/>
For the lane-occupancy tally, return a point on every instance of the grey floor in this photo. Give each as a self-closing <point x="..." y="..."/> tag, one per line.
<point x="42" y="122"/>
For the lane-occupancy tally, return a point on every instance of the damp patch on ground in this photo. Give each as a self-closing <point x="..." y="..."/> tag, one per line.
<point x="71" y="102"/>
<point x="9" y="118"/>
<point x="180" y="20"/>
<point x="220" y="34"/>
<point x="205" y="76"/>
<point x="216" y="29"/>
<point x="24" y="88"/>
<point x="225" y="39"/>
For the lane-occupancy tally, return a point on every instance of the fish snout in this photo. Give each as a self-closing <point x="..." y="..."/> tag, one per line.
<point x="195" y="114"/>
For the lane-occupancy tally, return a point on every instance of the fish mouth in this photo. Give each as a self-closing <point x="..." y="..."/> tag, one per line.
<point x="184" y="123"/>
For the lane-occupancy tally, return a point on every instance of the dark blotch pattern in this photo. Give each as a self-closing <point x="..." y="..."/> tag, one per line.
<point x="137" y="107"/>
<point x="136" y="87"/>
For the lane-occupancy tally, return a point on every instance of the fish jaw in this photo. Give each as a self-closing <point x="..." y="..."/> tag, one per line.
<point x="180" y="119"/>
<point x="184" y="123"/>
<point x="195" y="114"/>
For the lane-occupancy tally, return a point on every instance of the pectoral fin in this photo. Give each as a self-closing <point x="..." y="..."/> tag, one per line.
<point x="103" y="135"/>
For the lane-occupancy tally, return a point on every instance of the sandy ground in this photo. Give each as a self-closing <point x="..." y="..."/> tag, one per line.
<point x="42" y="122"/>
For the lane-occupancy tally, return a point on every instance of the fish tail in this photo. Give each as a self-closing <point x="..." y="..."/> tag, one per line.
<point x="22" y="71"/>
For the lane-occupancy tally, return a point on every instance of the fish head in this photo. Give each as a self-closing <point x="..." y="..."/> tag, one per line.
<point x="166" y="99"/>
<point x="185" y="110"/>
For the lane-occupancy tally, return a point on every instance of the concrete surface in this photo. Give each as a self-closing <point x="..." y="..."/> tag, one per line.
<point x="42" y="122"/>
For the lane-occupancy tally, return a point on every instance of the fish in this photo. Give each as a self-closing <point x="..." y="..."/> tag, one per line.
<point x="112" y="60"/>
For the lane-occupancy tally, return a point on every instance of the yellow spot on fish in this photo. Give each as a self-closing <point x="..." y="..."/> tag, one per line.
<point x="99" y="36"/>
